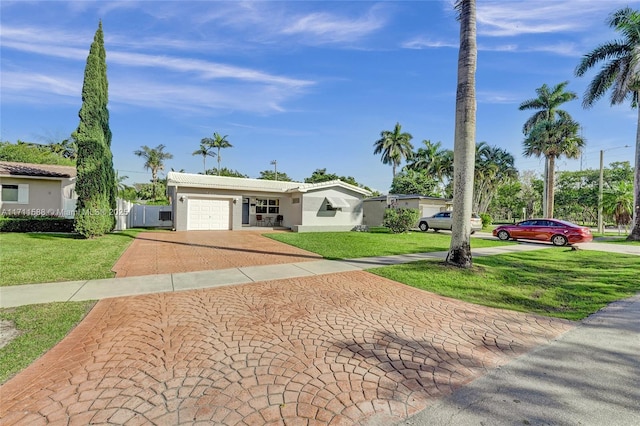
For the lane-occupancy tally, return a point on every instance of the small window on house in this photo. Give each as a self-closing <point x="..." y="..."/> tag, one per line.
<point x="165" y="215"/>
<point x="10" y="193"/>
<point x="267" y="206"/>
<point x="295" y="201"/>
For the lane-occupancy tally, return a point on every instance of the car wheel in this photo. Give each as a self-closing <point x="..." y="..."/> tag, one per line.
<point x="503" y="235"/>
<point x="559" y="240"/>
<point x="423" y="226"/>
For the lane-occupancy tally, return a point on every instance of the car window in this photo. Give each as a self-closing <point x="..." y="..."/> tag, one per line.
<point x="447" y="214"/>
<point x="526" y="223"/>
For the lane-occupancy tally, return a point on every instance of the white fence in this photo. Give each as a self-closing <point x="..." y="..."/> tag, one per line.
<point x="131" y="215"/>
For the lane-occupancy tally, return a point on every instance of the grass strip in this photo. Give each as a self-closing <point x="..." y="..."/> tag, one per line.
<point x="351" y="245"/>
<point x="556" y="282"/>
<point x="40" y="327"/>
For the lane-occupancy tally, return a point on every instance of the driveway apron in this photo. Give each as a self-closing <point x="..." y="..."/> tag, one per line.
<point x="338" y="349"/>
<point x="172" y="252"/>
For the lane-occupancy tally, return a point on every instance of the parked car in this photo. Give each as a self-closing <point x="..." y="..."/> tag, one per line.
<point x="559" y="232"/>
<point x="443" y="220"/>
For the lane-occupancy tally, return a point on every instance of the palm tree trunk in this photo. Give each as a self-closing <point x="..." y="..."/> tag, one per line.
<point x="218" y="161"/>
<point x="551" y="175"/>
<point x="635" y="231"/>
<point x="465" y="139"/>
<point x="204" y="163"/>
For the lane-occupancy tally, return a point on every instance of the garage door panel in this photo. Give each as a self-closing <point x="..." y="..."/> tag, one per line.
<point x="207" y="214"/>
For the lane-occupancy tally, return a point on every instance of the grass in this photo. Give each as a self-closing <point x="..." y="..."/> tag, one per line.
<point x="42" y="257"/>
<point x="621" y="240"/>
<point x="40" y="328"/>
<point x="351" y="245"/>
<point x="554" y="282"/>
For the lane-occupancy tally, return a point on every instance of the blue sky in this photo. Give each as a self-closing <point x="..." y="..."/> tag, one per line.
<point x="309" y="84"/>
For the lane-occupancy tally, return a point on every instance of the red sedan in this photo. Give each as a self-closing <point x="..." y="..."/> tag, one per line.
<point x="559" y="232"/>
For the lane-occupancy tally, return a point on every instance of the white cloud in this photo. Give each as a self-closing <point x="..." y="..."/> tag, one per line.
<point x="426" y="43"/>
<point x="512" y="18"/>
<point x="322" y="27"/>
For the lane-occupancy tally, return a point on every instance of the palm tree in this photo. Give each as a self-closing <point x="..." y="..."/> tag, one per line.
<point x="218" y="142"/>
<point x="547" y="104"/>
<point x="620" y="73"/>
<point x="553" y="139"/>
<point x="394" y="146"/>
<point x="618" y="202"/>
<point x="206" y="151"/>
<point x="154" y="161"/>
<point x="434" y="161"/>
<point x="464" y="138"/>
<point x="494" y="167"/>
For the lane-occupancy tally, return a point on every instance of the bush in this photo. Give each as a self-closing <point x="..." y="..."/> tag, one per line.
<point x="36" y="224"/>
<point x="486" y="219"/>
<point x="401" y="219"/>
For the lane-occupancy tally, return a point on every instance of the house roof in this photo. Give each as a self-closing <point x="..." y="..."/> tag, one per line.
<point x="407" y="197"/>
<point x="8" y="168"/>
<point x="245" y="184"/>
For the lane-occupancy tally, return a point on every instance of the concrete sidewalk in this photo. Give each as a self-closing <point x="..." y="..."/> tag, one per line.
<point x="30" y="294"/>
<point x="589" y="376"/>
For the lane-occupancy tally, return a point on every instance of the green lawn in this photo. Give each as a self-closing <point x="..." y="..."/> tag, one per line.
<point x="351" y="245"/>
<point x="42" y="257"/>
<point x="40" y="328"/>
<point x="621" y="240"/>
<point x="554" y="282"/>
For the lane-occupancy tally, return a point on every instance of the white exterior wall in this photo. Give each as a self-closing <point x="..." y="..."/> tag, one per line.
<point x="316" y="216"/>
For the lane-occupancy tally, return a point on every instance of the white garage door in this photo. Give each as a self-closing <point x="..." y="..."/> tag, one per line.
<point x="208" y="214"/>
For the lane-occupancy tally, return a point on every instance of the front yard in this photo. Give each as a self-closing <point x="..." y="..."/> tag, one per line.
<point x="352" y="245"/>
<point x="42" y="258"/>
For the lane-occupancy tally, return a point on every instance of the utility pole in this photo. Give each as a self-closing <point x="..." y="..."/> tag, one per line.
<point x="275" y="167"/>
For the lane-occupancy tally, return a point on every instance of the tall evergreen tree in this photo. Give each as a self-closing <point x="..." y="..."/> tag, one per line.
<point x="96" y="182"/>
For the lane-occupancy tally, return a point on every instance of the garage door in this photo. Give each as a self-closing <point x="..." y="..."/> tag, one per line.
<point x="208" y="214"/>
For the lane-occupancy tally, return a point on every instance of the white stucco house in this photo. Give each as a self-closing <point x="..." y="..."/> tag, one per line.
<point x="204" y="202"/>
<point x="374" y="208"/>
<point x="37" y="189"/>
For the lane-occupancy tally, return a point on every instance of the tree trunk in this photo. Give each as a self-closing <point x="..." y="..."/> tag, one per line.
<point x="464" y="149"/>
<point x="551" y="177"/>
<point x="635" y="231"/>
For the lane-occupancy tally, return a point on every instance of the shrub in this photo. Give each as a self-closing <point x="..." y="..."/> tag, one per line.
<point x="35" y="224"/>
<point x="401" y="219"/>
<point x="486" y="219"/>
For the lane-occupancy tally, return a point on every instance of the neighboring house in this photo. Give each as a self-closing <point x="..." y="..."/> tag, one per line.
<point x="203" y="202"/>
<point x="374" y="207"/>
<point x="37" y="189"/>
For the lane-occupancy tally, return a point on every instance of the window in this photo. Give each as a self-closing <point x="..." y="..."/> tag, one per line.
<point x="267" y="206"/>
<point x="15" y="193"/>
<point x="295" y="201"/>
<point x="10" y="193"/>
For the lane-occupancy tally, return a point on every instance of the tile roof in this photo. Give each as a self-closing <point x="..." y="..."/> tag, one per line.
<point x="8" y="168"/>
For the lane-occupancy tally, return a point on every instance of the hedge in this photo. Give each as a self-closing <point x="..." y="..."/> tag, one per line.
<point x="36" y="224"/>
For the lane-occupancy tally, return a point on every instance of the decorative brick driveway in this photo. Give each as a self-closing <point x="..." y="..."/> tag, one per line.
<point x="188" y="251"/>
<point x="338" y="349"/>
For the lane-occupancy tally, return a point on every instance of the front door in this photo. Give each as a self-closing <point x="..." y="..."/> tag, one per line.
<point x="245" y="211"/>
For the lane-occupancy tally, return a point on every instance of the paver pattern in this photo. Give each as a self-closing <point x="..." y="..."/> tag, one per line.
<point x="336" y="349"/>
<point x="173" y="252"/>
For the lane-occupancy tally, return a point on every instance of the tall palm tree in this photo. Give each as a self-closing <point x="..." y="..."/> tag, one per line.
<point x="394" y="146"/>
<point x="553" y="139"/>
<point x="464" y="138"/>
<point x="205" y="150"/>
<point x="218" y="142"/>
<point x="620" y="73"/>
<point x="154" y="161"/>
<point x="547" y="105"/>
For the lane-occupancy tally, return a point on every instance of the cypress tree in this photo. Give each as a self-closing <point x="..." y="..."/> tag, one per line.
<point x="95" y="184"/>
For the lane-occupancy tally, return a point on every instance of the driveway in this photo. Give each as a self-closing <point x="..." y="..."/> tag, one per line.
<point x="187" y="251"/>
<point x="338" y="349"/>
